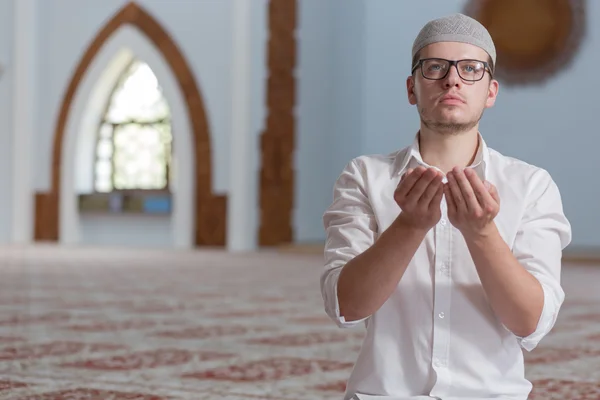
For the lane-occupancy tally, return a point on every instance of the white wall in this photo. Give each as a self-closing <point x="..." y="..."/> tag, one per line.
<point x="201" y="29"/>
<point x="248" y="110"/>
<point x="6" y="109"/>
<point x="79" y="142"/>
<point x="203" y="32"/>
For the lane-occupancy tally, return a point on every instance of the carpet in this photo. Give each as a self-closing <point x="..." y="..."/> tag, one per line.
<point x="116" y="324"/>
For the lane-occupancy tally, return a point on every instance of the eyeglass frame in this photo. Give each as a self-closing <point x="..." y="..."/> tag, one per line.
<point x="452" y="63"/>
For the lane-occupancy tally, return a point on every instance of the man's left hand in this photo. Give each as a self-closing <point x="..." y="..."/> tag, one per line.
<point x="472" y="204"/>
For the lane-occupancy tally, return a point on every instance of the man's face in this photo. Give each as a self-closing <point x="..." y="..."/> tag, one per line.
<point x="451" y="105"/>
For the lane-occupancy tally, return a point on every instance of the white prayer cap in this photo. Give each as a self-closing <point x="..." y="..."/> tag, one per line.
<point x="455" y="28"/>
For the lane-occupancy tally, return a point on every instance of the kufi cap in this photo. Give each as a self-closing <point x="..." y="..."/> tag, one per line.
<point x="455" y="28"/>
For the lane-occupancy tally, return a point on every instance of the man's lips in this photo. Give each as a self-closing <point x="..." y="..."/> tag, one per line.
<point x="451" y="99"/>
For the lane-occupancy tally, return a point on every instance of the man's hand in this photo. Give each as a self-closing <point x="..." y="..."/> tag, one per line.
<point x="515" y="295"/>
<point x="472" y="204"/>
<point x="419" y="195"/>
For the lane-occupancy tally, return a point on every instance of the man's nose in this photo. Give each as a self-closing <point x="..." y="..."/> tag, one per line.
<point x="452" y="79"/>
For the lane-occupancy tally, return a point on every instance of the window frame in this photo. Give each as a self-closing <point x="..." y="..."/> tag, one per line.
<point x="103" y="121"/>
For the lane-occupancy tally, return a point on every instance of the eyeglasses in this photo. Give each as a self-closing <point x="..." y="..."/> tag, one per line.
<point x="438" y="68"/>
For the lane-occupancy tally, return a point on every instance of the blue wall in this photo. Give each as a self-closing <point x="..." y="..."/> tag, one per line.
<point x="553" y="126"/>
<point x="314" y="116"/>
<point x="331" y="101"/>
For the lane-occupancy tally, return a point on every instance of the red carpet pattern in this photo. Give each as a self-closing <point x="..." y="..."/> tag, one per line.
<point x="85" y="324"/>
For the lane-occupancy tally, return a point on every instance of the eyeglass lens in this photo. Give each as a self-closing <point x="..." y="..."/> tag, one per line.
<point x="470" y="70"/>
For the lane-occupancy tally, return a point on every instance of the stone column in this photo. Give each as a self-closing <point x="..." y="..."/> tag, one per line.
<point x="242" y="195"/>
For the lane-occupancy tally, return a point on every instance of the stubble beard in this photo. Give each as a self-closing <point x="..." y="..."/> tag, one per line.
<point x="448" y="128"/>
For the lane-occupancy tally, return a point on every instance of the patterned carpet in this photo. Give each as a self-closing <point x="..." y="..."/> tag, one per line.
<point x="91" y="324"/>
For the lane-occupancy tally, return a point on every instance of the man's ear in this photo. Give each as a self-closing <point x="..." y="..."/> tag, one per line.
<point x="492" y="93"/>
<point x="410" y="89"/>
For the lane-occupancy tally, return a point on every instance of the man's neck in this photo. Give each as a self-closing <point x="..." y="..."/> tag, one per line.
<point x="446" y="151"/>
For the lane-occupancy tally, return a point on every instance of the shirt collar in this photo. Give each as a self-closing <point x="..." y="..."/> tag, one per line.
<point x="413" y="154"/>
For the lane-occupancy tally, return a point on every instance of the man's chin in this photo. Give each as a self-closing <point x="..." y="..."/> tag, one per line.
<point x="449" y="125"/>
<point x="451" y="116"/>
<point x="450" y="121"/>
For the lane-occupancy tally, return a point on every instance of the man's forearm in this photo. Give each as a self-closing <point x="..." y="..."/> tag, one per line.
<point x="515" y="295"/>
<point x="368" y="280"/>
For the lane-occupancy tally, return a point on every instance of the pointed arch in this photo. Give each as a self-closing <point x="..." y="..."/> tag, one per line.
<point x="210" y="218"/>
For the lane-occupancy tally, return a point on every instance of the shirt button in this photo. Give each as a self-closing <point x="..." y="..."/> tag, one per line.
<point x="443" y="222"/>
<point x="441" y="315"/>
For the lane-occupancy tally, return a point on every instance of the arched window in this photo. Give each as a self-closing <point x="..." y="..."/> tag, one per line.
<point x="134" y="147"/>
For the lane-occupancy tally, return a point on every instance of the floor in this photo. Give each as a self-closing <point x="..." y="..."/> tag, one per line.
<point x="151" y="325"/>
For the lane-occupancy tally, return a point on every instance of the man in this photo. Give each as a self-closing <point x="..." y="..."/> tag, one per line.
<point x="448" y="251"/>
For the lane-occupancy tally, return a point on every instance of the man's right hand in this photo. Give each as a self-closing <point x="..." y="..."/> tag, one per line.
<point x="419" y="195"/>
<point x="367" y="281"/>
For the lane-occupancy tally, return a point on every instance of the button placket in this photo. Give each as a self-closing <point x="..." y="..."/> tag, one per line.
<point x="441" y="306"/>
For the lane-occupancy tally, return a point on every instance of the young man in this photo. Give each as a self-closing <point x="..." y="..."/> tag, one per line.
<point x="448" y="251"/>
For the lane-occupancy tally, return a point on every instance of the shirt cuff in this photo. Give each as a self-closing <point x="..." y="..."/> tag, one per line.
<point x="552" y="302"/>
<point x="332" y="305"/>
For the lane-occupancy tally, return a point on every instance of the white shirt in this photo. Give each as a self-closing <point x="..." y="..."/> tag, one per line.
<point x="436" y="336"/>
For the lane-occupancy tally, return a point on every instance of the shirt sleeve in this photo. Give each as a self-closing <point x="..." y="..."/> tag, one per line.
<point x="544" y="233"/>
<point x="350" y="228"/>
